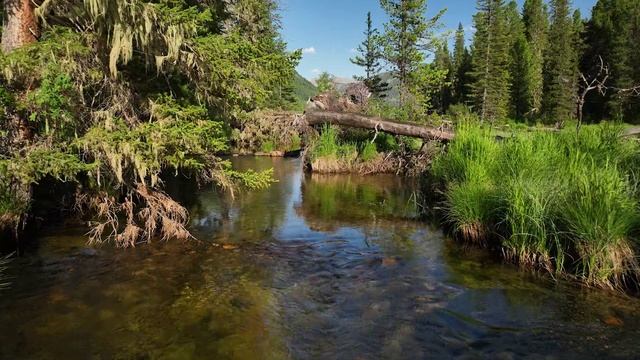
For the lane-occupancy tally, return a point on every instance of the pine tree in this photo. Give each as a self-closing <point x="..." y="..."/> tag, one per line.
<point x="369" y="58"/>
<point x="461" y="67"/>
<point x="519" y="63"/>
<point x="536" y="23"/>
<point x="459" y="47"/>
<point x="443" y="62"/>
<point x="560" y="71"/>
<point x="490" y="56"/>
<point x="513" y="23"/>
<point x="407" y="35"/>
<point x="521" y="79"/>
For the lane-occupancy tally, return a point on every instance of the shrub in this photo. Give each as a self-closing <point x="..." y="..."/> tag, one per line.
<point x="368" y="151"/>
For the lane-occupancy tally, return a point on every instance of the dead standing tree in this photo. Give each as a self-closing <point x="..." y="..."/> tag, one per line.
<point x="590" y="83"/>
<point x="598" y="81"/>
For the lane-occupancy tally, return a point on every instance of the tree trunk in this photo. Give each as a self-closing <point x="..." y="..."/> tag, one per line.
<point x="20" y="24"/>
<point x="378" y="124"/>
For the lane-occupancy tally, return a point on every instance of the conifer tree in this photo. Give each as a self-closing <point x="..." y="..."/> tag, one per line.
<point x="614" y="34"/>
<point x="560" y="65"/>
<point x="514" y="26"/>
<point x="408" y="34"/>
<point x="461" y="67"/>
<point x="519" y="63"/>
<point x="490" y="56"/>
<point x="444" y="63"/>
<point x="459" y="47"/>
<point x="370" y="55"/>
<point x="521" y="71"/>
<point x="536" y="23"/>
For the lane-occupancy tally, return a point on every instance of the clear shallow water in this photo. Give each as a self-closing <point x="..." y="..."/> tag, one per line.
<point x="334" y="267"/>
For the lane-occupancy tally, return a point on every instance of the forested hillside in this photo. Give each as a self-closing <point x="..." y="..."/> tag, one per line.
<point x="303" y="89"/>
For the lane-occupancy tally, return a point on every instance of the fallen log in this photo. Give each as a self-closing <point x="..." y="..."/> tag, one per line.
<point x="379" y="124"/>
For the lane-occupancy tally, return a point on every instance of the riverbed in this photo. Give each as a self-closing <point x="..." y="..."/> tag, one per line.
<point x="315" y="267"/>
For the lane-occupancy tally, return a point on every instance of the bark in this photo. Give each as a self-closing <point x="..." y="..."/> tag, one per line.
<point x="378" y="124"/>
<point x="20" y="24"/>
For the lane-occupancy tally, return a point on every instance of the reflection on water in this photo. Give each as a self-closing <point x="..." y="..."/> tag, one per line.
<point x="335" y="267"/>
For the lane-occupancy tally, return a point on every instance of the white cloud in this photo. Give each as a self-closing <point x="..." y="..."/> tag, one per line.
<point x="353" y="50"/>
<point x="316" y="71"/>
<point x="309" y="50"/>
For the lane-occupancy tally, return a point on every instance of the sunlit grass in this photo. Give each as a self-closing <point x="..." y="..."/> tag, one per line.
<point x="566" y="201"/>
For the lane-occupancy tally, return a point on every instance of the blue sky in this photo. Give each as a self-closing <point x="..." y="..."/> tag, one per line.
<point x="329" y="30"/>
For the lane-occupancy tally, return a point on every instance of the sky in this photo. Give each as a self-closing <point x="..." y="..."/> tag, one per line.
<point x="328" y="31"/>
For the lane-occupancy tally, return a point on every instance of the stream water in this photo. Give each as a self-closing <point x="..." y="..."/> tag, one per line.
<point x="315" y="267"/>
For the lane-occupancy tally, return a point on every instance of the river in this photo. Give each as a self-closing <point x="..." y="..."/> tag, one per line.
<point x="315" y="267"/>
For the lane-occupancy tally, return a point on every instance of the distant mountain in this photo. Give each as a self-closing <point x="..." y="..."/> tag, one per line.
<point x="342" y="83"/>
<point x="303" y="89"/>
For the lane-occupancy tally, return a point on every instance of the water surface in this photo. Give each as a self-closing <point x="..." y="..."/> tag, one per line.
<point x="316" y="267"/>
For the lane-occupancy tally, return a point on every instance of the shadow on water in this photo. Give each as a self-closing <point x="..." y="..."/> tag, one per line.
<point x="336" y="267"/>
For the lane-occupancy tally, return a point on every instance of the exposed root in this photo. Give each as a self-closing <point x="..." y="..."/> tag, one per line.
<point x="473" y="233"/>
<point x="143" y="215"/>
<point x="528" y="259"/>
<point x="608" y="267"/>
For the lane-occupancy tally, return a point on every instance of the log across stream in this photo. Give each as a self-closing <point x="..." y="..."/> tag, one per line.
<point x="353" y="120"/>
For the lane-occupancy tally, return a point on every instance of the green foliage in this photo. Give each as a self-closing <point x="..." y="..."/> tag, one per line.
<point x="143" y="88"/>
<point x="325" y="83"/>
<point x="268" y="146"/>
<point x="327" y="144"/>
<point x="613" y="33"/>
<point x="51" y="105"/>
<point x="536" y="23"/>
<point x="566" y="202"/>
<point x="347" y="148"/>
<point x="370" y="55"/>
<point x="19" y="172"/>
<point x="406" y="34"/>
<point x="491" y="60"/>
<point x="426" y="81"/>
<point x="303" y="89"/>
<point x="444" y="63"/>
<point x="368" y="151"/>
<point x="462" y="66"/>
<point x="560" y="65"/>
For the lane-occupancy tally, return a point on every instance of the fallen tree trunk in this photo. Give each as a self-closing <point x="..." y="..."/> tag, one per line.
<point x="379" y="124"/>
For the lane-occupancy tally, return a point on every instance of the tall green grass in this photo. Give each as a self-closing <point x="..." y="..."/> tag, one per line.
<point x="566" y="201"/>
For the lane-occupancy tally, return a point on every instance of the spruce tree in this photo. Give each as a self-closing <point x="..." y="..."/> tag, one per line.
<point x="536" y="23"/>
<point x="560" y="71"/>
<point x="490" y="56"/>
<point x="443" y="62"/>
<point x="370" y="54"/>
<point x="519" y="63"/>
<point x="521" y="79"/>
<point x="459" y="47"/>
<point x="461" y="67"/>
<point x="408" y="34"/>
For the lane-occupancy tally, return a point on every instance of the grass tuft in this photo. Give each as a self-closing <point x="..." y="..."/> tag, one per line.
<point x="566" y="202"/>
